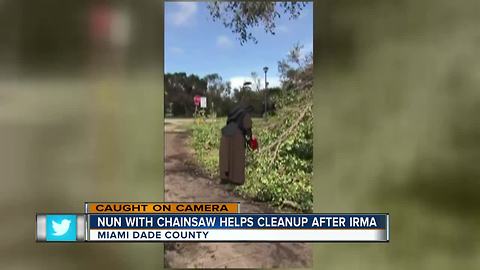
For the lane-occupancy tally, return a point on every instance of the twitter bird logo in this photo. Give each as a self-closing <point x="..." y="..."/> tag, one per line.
<point x="61" y="228"/>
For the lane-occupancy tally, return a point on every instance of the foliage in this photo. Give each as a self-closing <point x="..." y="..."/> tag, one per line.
<point x="181" y="88"/>
<point x="281" y="171"/>
<point x="296" y="70"/>
<point x="242" y="16"/>
<point x="206" y="142"/>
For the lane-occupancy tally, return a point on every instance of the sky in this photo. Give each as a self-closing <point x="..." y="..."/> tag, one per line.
<point x="194" y="43"/>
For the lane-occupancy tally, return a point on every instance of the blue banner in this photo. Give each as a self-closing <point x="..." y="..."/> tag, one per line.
<point x="238" y="221"/>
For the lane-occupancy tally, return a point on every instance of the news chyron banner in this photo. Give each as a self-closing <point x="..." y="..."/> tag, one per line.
<point x="238" y="227"/>
<point x="205" y="222"/>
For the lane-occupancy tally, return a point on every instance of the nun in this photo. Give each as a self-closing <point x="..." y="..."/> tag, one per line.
<point x="235" y="136"/>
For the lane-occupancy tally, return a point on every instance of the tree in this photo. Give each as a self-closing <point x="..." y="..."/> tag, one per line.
<point x="180" y="90"/>
<point x="296" y="70"/>
<point x="218" y="93"/>
<point x="242" y="16"/>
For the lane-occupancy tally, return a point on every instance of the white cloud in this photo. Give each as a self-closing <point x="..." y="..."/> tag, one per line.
<point x="184" y="13"/>
<point x="282" y="29"/>
<point x="177" y="50"/>
<point x="237" y="81"/>
<point x="224" y="42"/>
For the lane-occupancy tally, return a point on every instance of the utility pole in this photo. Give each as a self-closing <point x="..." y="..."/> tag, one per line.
<point x="265" y="69"/>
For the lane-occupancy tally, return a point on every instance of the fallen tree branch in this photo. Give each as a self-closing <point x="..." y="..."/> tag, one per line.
<point x="291" y="204"/>
<point x="278" y="143"/>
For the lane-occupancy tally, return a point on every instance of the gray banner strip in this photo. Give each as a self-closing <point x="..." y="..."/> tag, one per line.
<point x="41" y="227"/>
<point x="81" y="228"/>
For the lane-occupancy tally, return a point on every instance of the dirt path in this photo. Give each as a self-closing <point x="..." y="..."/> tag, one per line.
<point x="183" y="183"/>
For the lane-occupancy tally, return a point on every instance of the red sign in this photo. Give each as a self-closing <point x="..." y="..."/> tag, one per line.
<point x="197" y="99"/>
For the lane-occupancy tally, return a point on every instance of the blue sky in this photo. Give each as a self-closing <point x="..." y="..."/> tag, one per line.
<point x="196" y="44"/>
